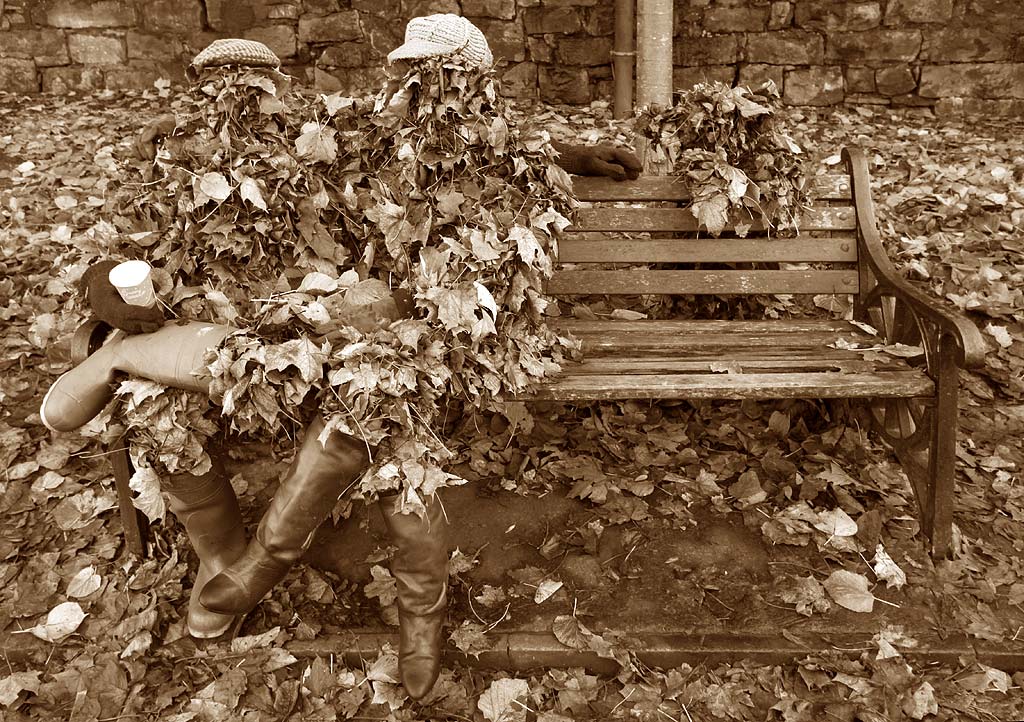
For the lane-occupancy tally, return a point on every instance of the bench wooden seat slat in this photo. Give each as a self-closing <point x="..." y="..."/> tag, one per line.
<point x="686" y="250"/>
<point x="598" y="365"/>
<point x="876" y="384"/>
<point x="691" y="327"/>
<point x="832" y="186"/>
<point x="629" y="282"/>
<point x="681" y="219"/>
<point x="750" y="345"/>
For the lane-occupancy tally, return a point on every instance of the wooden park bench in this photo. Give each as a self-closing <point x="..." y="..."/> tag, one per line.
<point x="912" y="399"/>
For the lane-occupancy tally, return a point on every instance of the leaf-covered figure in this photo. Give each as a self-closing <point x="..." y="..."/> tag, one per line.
<point x="729" y="146"/>
<point x="461" y="211"/>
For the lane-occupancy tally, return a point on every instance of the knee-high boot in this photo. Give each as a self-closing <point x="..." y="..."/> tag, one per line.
<point x="208" y="509"/>
<point x="420" y="567"/>
<point x="173" y="356"/>
<point x="316" y="478"/>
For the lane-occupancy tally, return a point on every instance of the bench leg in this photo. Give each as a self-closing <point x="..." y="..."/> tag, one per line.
<point x="134" y="522"/>
<point x="922" y="433"/>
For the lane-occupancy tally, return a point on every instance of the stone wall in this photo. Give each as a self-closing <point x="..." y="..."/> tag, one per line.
<point x="947" y="53"/>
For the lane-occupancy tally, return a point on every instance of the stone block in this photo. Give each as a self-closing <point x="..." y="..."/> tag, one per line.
<point x="860" y="79"/>
<point x="63" y="80"/>
<point x="965" y="45"/>
<point x="736" y="19"/>
<point x="685" y="78"/>
<point x="145" y="46"/>
<point x="780" y="15"/>
<point x="506" y="39"/>
<point x="326" y="82"/>
<point x="326" y="7"/>
<point x="289" y="11"/>
<point x="900" y="12"/>
<point x="1003" y="14"/>
<point x="972" y="80"/>
<point x="832" y="15"/>
<point x="866" y="99"/>
<point x="563" y="3"/>
<point x="520" y="80"/>
<point x="18" y="75"/>
<point x="352" y="81"/>
<point x="383" y="34"/>
<point x="822" y="85"/>
<point x="415" y="8"/>
<point x="599" y="20"/>
<point x="80" y="14"/>
<point x="137" y="75"/>
<point x="981" y="107"/>
<point x="347" y="55"/>
<point x="875" y="46"/>
<point x="330" y="28"/>
<point x="230" y="16"/>
<point x="912" y="100"/>
<point x="753" y="74"/>
<point x="564" y="85"/>
<point x="500" y="9"/>
<point x="707" y="50"/>
<point x="895" y="80"/>
<point x="786" y="47"/>
<point x="47" y="46"/>
<point x="540" y="50"/>
<point x="96" y="49"/>
<point x="177" y="16"/>
<point x="584" y="51"/>
<point x="279" y="38"/>
<point x="541" y="20"/>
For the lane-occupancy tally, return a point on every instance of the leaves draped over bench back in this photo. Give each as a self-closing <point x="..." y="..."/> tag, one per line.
<point x="728" y="145"/>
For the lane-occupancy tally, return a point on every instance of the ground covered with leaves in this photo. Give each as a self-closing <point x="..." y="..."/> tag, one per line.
<point x="743" y="515"/>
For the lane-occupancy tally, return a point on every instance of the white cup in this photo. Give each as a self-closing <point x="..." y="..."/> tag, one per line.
<point x="133" y="281"/>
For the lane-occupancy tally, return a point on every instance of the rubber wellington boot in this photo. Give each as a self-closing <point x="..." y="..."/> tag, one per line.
<point x="420" y="567"/>
<point x="208" y="509"/>
<point x="172" y="356"/>
<point x="317" y="477"/>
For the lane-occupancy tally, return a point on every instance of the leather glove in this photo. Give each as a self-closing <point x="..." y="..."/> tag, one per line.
<point x="144" y="147"/>
<point x="598" y="160"/>
<point x="108" y="306"/>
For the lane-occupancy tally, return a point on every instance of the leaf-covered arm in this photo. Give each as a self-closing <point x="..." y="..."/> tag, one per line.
<point x="969" y="342"/>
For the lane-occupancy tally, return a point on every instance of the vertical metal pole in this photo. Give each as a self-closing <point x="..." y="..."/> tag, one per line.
<point x="654" y="61"/>
<point x="623" y="57"/>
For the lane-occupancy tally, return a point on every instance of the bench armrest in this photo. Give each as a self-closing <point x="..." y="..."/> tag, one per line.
<point x="969" y="345"/>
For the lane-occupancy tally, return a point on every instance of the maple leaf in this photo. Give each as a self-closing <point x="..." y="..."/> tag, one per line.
<point x="471" y="638"/>
<point x="502" y="700"/>
<point x="210" y="186"/>
<point x="317" y="143"/>
<point x="14" y="684"/>
<point x="712" y="213"/>
<point x="807" y="594"/>
<point x="850" y="590"/>
<point x="249" y="190"/>
<point x="301" y="353"/>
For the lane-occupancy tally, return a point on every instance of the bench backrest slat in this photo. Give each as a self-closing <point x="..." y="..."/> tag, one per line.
<point x="653" y="220"/>
<point x="833" y="186"/>
<point x="714" y="250"/>
<point x="697" y="282"/>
